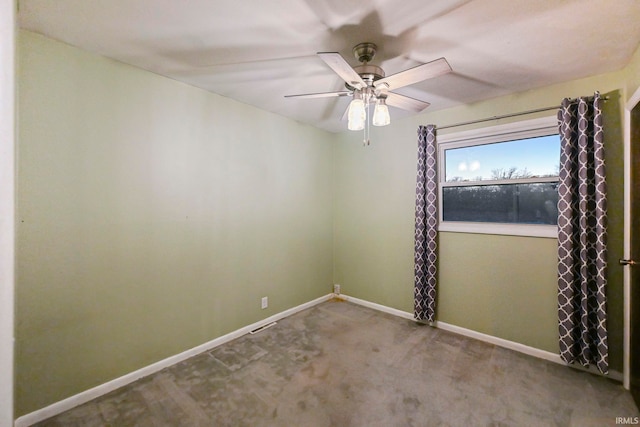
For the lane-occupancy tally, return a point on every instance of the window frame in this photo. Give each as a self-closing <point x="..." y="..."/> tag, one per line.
<point x="499" y="133"/>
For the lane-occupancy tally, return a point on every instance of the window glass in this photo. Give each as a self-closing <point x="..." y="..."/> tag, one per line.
<point x="534" y="203"/>
<point x="524" y="158"/>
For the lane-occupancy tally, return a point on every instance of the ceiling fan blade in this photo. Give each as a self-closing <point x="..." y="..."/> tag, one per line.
<point x="416" y="74"/>
<point x="320" y="95"/>
<point x="342" y="68"/>
<point x="406" y="102"/>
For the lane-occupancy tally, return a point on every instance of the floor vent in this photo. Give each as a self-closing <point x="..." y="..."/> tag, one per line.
<point x="262" y="328"/>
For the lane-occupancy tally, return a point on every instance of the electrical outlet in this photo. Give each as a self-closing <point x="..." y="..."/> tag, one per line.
<point x="336" y="289"/>
<point x="265" y="302"/>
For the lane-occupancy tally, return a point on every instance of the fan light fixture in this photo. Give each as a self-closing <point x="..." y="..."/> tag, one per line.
<point x="381" y="113"/>
<point x="357" y="114"/>
<point x="358" y="107"/>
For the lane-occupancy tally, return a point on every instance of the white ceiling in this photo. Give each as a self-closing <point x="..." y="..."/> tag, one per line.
<point x="257" y="51"/>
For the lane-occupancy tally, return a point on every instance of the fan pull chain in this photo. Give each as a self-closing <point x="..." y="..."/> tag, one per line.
<point x="367" y="130"/>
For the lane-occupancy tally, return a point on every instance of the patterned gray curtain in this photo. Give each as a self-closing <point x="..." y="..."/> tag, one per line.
<point x="582" y="232"/>
<point x="425" y="254"/>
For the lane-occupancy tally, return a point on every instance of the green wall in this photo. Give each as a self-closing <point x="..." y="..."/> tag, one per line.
<point x="501" y="283"/>
<point x="504" y="286"/>
<point x="153" y="216"/>
<point x="632" y="75"/>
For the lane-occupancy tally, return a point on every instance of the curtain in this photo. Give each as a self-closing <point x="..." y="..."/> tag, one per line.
<point x="426" y="222"/>
<point x="582" y="232"/>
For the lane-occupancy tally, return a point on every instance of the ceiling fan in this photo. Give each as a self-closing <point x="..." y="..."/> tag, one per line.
<point x="367" y="84"/>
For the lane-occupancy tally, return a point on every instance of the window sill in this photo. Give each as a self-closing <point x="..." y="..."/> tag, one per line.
<point x="526" y="230"/>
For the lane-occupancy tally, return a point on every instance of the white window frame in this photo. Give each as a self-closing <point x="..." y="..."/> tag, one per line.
<point x="499" y="133"/>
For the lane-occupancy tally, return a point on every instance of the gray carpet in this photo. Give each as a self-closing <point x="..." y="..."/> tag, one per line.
<point x="339" y="364"/>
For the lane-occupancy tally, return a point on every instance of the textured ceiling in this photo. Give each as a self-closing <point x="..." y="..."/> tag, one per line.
<point x="257" y="51"/>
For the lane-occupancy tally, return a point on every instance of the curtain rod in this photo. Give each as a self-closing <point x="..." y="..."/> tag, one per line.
<point x="504" y="116"/>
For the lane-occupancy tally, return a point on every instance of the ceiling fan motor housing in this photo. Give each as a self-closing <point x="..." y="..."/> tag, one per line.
<point x="369" y="73"/>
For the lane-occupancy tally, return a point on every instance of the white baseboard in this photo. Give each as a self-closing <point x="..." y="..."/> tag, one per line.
<point x="531" y="351"/>
<point x="511" y="345"/>
<point x="87" y="395"/>
<point x="379" y="307"/>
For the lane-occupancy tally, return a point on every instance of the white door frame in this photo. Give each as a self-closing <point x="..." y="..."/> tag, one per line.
<point x="626" y="362"/>
<point x="7" y="204"/>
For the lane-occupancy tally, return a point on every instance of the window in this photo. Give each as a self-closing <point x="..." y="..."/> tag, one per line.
<point x="501" y="180"/>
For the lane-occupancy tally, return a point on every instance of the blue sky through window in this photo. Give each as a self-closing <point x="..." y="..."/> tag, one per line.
<point x="534" y="157"/>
